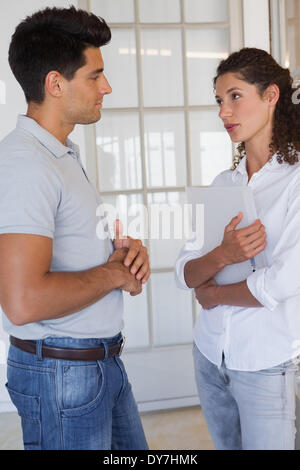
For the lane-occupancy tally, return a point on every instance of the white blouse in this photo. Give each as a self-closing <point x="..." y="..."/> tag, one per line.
<point x="255" y="338"/>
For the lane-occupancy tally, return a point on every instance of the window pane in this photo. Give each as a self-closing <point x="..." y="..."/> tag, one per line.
<point x="162" y="67"/>
<point x="136" y="329"/>
<point x="118" y="149"/>
<point x="165" y="149"/>
<point x="211" y="147"/>
<point x="204" y="11"/>
<point x="205" y="49"/>
<point x="168" y="227"/>
<point x="130" y="210"/>
<point x="172" y="311"/>
<point x="158" y="11"/>
<point x="120" y="69"/>
<point x="116" y="11"/>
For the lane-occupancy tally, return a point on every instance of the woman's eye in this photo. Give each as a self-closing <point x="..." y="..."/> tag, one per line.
<point x="235" y="96"/>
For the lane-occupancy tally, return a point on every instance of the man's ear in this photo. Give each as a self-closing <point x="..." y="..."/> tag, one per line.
<point x="53" y="84"/>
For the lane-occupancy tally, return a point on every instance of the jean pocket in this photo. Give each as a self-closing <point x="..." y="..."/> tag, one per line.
<point x="29" y="409"/>
<point x="82" y="388"/>
<point x="292" y="365"/>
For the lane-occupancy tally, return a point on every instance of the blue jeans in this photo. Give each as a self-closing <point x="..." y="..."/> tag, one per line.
<point x="248" y="410"/>
<point x="84" y="405"/>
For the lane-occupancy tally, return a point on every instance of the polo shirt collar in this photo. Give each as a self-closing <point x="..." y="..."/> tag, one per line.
<point x="46" y="138"/>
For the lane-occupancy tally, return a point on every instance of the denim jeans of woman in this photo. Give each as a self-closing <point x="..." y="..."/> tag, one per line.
<point x="69" y="405"/>
<point x="248" y="410"/>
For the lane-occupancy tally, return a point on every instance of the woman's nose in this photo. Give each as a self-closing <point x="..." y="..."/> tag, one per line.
<point x="225" y="111"/>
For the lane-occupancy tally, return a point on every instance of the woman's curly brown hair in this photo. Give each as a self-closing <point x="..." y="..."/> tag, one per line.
<point x="257" y="67"/>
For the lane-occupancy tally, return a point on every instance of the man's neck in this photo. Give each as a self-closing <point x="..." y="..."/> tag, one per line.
<point x="50" y="120"/>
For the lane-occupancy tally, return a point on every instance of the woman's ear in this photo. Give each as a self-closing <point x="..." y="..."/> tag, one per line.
<point x="272" y="94"/>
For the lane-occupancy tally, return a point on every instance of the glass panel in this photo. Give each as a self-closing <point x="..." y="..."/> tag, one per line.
<point x="118" y="150"/>
<point x="203" y="11"/>
<point x="162" y="67"/>
<point x="120" y="69"/>
<point x="211" y="148"/>
<point x="130" y="210"/>
<point x="168" y="227"/>
<point x="158" y="11"/>
<point x="172" y="311"/>
<point x="118" y="11"/>
<point x="136" y="328"/>
<point x="205" y="49"/>
<point x="165" y="149"/>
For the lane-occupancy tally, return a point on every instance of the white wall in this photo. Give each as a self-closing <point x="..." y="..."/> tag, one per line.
<point x="12" y="103"/>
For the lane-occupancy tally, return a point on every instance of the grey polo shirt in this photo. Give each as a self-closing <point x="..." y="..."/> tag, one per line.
<point x="44" y="190"/>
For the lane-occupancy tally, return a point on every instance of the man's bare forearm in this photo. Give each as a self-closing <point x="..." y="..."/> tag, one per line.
<point x="236" y="294"/>
<point x="59" y="294"/>
<point x="200" y="270"/>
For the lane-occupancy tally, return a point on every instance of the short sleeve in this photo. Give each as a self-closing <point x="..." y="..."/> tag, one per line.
<point x="30" y="193"/>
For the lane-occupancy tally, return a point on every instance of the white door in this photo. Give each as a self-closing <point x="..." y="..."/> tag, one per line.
<point x="160" y="132"/>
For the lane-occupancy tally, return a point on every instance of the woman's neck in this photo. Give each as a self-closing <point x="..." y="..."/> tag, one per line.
<point x="258" y="152"/>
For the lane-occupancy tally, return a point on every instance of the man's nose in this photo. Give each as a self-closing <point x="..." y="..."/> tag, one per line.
<point x="105" y="87"/>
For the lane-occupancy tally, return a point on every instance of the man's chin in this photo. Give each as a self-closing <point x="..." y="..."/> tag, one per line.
<point x="89" y="120"/>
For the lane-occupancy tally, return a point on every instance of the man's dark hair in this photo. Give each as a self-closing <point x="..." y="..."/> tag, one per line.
<point x="53" y="39"/>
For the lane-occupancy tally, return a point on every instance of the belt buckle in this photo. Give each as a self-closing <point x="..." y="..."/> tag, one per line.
<point x="122" y="345"/>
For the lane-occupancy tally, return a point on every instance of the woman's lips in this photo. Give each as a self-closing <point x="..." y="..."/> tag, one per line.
<point x="231" y="127"/>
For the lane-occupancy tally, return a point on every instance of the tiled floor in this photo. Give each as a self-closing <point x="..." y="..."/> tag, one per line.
<point x="10" y="432"/>
<point x="183" y="429"/>
<point x="167" y="430"/>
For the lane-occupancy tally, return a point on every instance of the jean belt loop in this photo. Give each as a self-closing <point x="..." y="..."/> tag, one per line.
<point x="105" y="345"/>
<point x="39" y="345"/>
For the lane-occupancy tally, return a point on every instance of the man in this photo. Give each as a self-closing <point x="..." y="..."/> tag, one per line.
<point x="60" y="285"/>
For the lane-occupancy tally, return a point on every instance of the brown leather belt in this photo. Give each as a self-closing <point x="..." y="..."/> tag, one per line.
<point x="88" y="354"/>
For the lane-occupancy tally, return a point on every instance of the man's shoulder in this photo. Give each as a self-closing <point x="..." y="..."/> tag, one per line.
<point x="18" y="142"/>
<point x="22" y="150"/>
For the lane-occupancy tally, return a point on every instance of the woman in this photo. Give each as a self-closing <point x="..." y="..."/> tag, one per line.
<point x="247" y="336"/>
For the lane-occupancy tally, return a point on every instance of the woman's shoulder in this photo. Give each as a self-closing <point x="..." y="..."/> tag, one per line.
<point x="224" y="178"/>
<point x="293" y="175"/>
